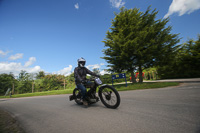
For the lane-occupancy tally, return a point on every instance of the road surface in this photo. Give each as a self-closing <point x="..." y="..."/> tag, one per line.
<point x="164" y="110"/>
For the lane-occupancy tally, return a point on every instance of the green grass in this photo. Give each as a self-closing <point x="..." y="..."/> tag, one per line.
<point x="44" y="93"/>
<point x="146" y="85"/>
<point x="119" y="87"/>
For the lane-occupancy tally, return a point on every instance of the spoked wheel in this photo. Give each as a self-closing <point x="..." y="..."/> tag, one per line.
<point x="109" y="96"/>
<point x="77" y="94"/>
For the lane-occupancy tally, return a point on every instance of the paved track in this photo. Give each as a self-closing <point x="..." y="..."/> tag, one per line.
<point x="165" y="110"/>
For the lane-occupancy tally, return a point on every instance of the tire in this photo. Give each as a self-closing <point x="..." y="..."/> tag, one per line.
<point x="77" y="95"/>
<point x="109" y="96"/>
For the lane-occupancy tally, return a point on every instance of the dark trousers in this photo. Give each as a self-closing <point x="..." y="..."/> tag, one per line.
<point x="83" y="89"/>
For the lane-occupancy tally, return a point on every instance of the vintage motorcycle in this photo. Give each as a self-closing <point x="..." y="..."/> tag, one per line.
<point x="109" y="95"/>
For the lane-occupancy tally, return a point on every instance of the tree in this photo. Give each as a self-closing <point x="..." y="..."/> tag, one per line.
<point x="190" y="58"/>
<point x="53" y="82"/>
<point x="25" y="82"/>
<point x="137" y="41"/>
<point x="186" y="62"/>
<point x="40" y="75"/>
<point x="6" y="81"/>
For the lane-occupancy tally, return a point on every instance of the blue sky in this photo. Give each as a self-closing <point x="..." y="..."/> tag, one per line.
<point x="50" y="35"/>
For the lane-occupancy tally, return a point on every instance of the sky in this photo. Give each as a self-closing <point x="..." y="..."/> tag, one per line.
<point x="50" y="35"/>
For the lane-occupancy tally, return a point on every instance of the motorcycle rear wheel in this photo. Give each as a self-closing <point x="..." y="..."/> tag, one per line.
<point x="109" y="96"/>
<point x="77" y="95"/>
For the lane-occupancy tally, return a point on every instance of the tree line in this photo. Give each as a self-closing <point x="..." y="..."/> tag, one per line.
<point x="28" y="82"/>
<point x="38" y="82"/>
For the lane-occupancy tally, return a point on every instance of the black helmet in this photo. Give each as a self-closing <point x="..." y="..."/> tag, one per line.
<point x="81" y="62"/>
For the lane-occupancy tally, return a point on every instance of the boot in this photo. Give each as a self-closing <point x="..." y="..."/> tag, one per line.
<point x="85" y="103"/>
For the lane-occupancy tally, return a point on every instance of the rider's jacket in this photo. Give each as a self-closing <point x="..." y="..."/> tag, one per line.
<point x="80" y="74"/>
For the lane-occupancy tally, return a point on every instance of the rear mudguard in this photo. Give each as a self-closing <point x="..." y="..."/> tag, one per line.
<point x="72" y="97"/>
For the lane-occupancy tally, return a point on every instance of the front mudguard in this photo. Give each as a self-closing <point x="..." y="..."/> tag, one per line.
<point x="103" y="86"/>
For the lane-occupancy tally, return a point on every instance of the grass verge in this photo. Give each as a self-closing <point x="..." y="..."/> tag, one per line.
<point x="44" y="93"/>
<point x="146" y="85"/>
<point x="119" y="87"/>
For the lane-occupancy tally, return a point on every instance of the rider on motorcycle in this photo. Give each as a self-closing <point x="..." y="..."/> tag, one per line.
<point x="80" y="73"/>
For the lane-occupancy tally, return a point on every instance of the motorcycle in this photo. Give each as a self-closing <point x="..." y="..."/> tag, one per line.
<point x="108" y="95"/>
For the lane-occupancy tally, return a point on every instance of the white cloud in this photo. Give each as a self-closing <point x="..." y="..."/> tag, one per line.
<point x="30" y="61"/>
<point x="104" y="72"/>
<point x="76" y="6"/>
<point x="16" y="68"/>
<point x="16" y="56"/>
<point x="2" y="53"/>
<point x="98" y="66"/>
<point x="34" y="69"/>
<point x="117" y="3"/>
<point x="65" y="71"/>
<point x="182" y="7"/>
<point x="93" y="66"/>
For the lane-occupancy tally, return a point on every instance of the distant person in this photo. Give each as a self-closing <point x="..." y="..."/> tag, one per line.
<point x="80" y="73"/>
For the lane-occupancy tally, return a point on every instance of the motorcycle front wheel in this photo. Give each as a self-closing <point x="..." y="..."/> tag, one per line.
<point x="109" y="96"/>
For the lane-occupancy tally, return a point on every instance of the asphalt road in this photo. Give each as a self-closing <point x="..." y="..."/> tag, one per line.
<point x="164" y="110"/>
